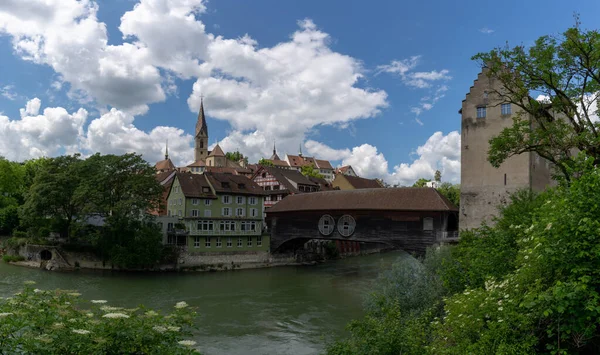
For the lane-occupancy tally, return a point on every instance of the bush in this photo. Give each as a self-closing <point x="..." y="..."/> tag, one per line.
<point x="9" y="219"/>
<point x="59" y="322"/>
<point x="14" y="243"/>
<point x="19" y="234"/>
<point x="12" y="258"/>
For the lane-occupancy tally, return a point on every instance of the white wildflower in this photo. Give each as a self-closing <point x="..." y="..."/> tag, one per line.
<point x="81" y="331"/>
<point x="90" y="315"/>
<point x="181" y="304"/>
<point x="187" y="342"/>
<point x="110" y="309"/>
<point x="72" y="320"/>
<point x="58" y="325"/>
<point x="151" y="313"/>
<point x="6" y="314"/>
<point x="549" y="226"/>
<point x="526" y="257"/>
<point x="29" y="282"/>
<point x="173" y="329"/>
<point x="500" y="308"/>
<point x="500" y="303"/>
<point x="74" y="294"/>
<point x="159" y="328"/>
<point x="500" y="320"/>
<point x="98" y="301"/>
<point x="37" y="290"/>
<point x="115" y="315"/>
<point x="67" y="303"/>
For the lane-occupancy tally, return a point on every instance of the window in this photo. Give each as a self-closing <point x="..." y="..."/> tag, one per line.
<point x="226" y="211"/>
<point x="506" y="109"/>
<point x="180" y="201"/>
<point x="207" y="242"/>
<point x="169" y="213"/>
<point x="241" y="186"/>
<point x="268" y="198"/>
<point x="225" y="184"/>
<point x="240" y="243"/>
<point x="207" y="213"/>
<point x="259" y="241"/>
<point x="207" y="202"/>
<point x="346" y="225"/>
<point x="179" y="213"/>
<point x="205" y="225"/>
<point x="264" y="175"/>
<point x="252" y="200"/>
<point x="170" y="226"/>
<point x="205" y="189"/>
<point x="218" y="242"/>
<point x="275" y="187"/>
<point x="504" y="179"/>
<point x="226" y="199"/>
<point x="201" y="143"/>
<point x="239" y="212"/>
<point x="240" y="200"/>
<point x="194" y="213"/>
<point x="253" y="212"/>
<point x="196" y="242"/>
<point x="481" y="112"/>
<point x="326" y="224"/>
<point x="194" y="201"/>
<point x="176" y="189"/>
<point x="171" y="240"/>
<point x="229" y="242"/>
<point x="267" y="188"/>
<point x="227" y="226"/>
<point x="427" y="224"/>
<point x="249" y="242"/>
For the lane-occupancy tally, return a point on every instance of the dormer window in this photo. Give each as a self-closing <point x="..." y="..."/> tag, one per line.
<point x="225" y="184"/>
<point x="205" y="189"/>
<point x="241" y="186"/>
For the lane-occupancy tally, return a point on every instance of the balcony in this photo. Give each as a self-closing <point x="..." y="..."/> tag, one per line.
<point x="446" y="236"/>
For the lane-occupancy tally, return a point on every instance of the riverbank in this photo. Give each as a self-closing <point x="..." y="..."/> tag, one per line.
<point x="279" y="310"/>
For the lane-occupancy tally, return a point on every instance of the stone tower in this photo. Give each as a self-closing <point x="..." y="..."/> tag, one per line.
<point x="482" y="187"/>
<point x="201" y="137"/>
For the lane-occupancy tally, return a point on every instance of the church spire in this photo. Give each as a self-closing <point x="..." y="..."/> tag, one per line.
<point x="274" y="150"/>
<point x="167" y="150"/>
<point x="300" y="150"/>
<point x="201" y="126"/>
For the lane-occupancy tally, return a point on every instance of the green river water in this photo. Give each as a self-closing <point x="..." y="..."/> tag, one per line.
<point x="282" y="310"/>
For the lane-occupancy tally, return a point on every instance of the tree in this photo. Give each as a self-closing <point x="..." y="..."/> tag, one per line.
<point x="56" y="193"/>
<point x="421" y="182"/>
<point x="309" y="170"/>
<point x="564" y="69"/>
<point x="438" y="176"/>
<point x="452" y="192"/>
<point x="265" y="162"/>
<point x="236" y="156"/>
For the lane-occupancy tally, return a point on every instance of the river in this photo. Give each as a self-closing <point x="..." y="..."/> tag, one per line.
<point x="283" y="310"/>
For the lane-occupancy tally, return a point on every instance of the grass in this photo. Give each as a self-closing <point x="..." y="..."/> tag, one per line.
<point x="12" y="258"/>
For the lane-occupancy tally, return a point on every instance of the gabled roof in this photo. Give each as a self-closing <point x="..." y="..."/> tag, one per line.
<point x="392" y="199"/>
<point x="362" y="183"/>
<point x="166" y="164"/>
<point x="217" y="152"/>
<point x="323" y="184"/>
<point x="234" y="184"/>
<point x="343" y="169"/>
<point x="197" y="163"/>
<point x="228" y="170"/>
<point x="164" y="176"/>
<point x="192" y="185"/>
<point x="323" y="164"/>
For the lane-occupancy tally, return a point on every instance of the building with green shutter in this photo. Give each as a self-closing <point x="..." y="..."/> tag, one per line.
<point x="220" y="218"/>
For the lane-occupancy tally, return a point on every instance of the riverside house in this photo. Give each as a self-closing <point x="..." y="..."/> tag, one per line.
<point x="221" y="213"/>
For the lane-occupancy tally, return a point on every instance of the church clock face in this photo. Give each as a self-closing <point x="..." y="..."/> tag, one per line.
<point x="346" y="225"/>
<point x="326" y="224"/>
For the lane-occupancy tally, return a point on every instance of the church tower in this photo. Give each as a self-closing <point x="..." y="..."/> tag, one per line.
<point x="201" y="137"/>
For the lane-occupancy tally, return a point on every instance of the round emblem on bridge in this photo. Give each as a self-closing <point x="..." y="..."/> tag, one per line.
<point x="346" y="225"/>
<point x="326" y="224"/>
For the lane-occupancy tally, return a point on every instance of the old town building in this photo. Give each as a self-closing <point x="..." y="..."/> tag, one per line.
<point x="349" y="182"/>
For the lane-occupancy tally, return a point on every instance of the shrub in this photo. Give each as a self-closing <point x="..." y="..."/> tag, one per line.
<point x="12" y="258"/>
<point x="19" y="234"/>
<point x="14" y="243"/>
<point x="59" y="322"/>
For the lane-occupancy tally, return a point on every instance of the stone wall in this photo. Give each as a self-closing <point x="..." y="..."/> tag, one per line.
<point x="223" y="261"/>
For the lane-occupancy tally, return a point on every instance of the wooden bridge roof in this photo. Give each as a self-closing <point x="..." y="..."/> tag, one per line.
<point x="390" y="199"/>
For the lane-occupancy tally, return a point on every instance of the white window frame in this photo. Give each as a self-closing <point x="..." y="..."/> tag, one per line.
<point x="207" y="242"/>
<point x="226" y="199"/>
<point x="229" y="242"/>
<point x="253" y="212"/>
<point x="428" y="223"/>
<point x="218" y="243"/>
<point x="228" y="211"/>
<point x="179" y="213"/>
<point x="346" y="225"/>
<point x="326" y="224"/>
<point x="239" y="212"/>
<point x="481" y="112"/>
<point x="196" y="242"/>
<point x="240" y="243"/>
<point x="240" y="200"/>
<point x="506" y="109"/>
<point x="207" y="202"/>
<point x="249" y="242"/>
<point x="252" y="200"/>
<point x="194" y="201"/>
<point x="195" y="213"/>
<point x="259" y="241"/>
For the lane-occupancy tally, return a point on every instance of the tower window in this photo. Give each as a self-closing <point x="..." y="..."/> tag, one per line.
<point x="506" y="110"/>
<point x="201" y="144"/>
<point x="504" y="179"/>
<point x="481" y="111"/>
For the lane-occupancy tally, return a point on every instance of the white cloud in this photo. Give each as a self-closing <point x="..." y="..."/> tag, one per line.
<point x="440" y="152"/>
<point x="32" y="108"/>
<point x="486" y="30"/>
<point x="7" y="91"/>
<point x="404" y="68"/>
<point x="400" y="67"/>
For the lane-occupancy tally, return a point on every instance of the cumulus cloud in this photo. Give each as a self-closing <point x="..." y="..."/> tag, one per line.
<point x="57" y="131"/>
<point x="7" y="91"/>
<point x="440" y="152"/>
<point x="486" y="30"/>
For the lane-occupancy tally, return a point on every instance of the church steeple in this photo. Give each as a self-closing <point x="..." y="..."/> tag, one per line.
<point x="167" y="150"/>
<point x="274" y="156"/>
<point x="300" y="150"/>
<point x="201" y="137"/>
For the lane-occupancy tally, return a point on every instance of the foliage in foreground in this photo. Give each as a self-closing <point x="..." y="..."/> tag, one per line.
<point x="530" y="284"/>
<point x="60" y="322"/>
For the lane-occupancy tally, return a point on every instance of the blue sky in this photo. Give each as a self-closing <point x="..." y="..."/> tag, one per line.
<point x="376" y="85"/>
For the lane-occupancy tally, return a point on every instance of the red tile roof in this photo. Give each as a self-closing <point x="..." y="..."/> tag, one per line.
<point x="323" y="164"/>
<point x="166" y="164"/>
<point x="192" y="185"/>
<point x="235" y="184"/>
<point x="392" y="199"/>
<point x="197" y="163"/>
<point x="362" y="183"/>
<point x="217" y="152"/>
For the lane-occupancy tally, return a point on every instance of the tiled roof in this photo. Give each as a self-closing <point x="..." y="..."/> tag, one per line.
<point x="362" y="183"/>
<point x="161" y="177"/>
<point x="392" y="199"/>
<point x="192" y="184"/>
<point x="323" y="184"/>
<point x="288" y="177"/>
<point x="235" y="184"/>
<point x="228" y="170"/>
<point x="343" y="169"/>
<point x="197" y="163"/>
<point x="217" y="152"/>
<point x="323" y="164"/>
<point x="282" y="163"/>
<point x="166" y="164"/>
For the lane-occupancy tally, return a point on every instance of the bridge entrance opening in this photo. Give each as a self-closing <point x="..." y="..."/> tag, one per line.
<point x="45" y="255"/>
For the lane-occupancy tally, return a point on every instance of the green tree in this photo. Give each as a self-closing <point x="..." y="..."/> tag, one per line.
<point x="421" y="182"/>
<point x="236" y="156"/>
<point x="566" y="70"/>
<point x="56" y="193"/>
<point x="452" y="192"/>
<point x="309" y="170"/>
<point x="265" y="162"/>
<point x="438" y="176"/>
